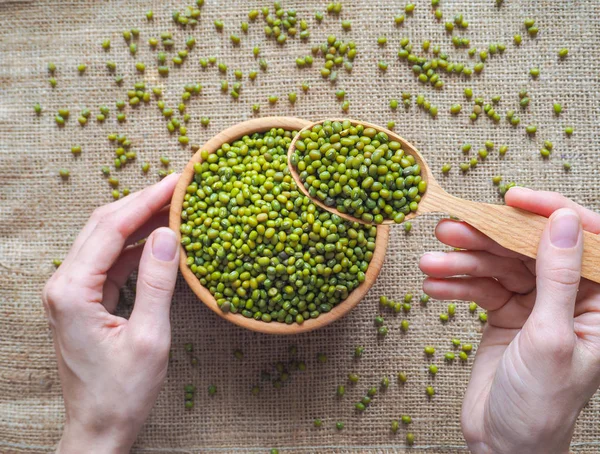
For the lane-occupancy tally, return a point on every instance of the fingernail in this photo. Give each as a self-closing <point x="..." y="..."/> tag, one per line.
<point x="519" y="189"/>
<point x="434" y="254"/>
<point x="164" y="245"/>
<point x="564" y="229"/>
<point x="171" y="176"/>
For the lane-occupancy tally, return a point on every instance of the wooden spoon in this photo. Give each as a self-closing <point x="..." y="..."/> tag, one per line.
<point x="513" y="228"/>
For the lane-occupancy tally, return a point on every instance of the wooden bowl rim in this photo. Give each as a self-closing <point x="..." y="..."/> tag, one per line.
<point x="406" y="146"/>
<point x="233" y="133"/>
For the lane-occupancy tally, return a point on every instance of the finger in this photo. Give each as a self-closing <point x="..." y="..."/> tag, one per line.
<point x="545" y="203"/>
<point x="98" y="214"/>
<point x="103" y="246"/>
<point x="587" y="300"/>
<point x="127" y="262"/>
<point x="510" y="272"/>
<point x="487" y="292"/>
<point x="156" y="281"/>
<point x="514" y="313"/>
<point x="160" y="219"/>
<point x="558" y="270"/>
<point x="461" y="235"/>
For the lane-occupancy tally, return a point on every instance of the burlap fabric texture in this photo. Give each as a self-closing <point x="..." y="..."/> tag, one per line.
<point x="40" y="214"/>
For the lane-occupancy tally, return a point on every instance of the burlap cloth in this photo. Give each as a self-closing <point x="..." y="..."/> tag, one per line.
<point x="40" y="214"/>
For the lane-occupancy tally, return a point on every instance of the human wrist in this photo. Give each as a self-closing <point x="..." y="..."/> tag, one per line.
<point x="542" y="448"/>
<point x="79" y="438"/>
<point x="554" y="440"/>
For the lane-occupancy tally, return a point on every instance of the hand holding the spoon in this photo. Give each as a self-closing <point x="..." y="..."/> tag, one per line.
<point x="539" y="357"/>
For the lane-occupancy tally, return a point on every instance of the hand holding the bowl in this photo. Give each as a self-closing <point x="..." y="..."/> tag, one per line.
<point x="539" y="357"/>
<point x="112" y="369"/>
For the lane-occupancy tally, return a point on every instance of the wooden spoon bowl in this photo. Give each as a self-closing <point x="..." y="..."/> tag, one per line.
<point x="227" y="136"/>
<point x="513" y="228"/>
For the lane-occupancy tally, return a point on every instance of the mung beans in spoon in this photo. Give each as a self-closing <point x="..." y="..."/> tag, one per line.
<point x="358" y="171"/>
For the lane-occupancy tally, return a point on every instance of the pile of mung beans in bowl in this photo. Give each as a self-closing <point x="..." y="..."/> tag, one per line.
<point x="257" y="251"/>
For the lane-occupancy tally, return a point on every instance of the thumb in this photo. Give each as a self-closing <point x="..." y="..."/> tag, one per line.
<point x="558" y="270"/>
<point x="156" y="280"/>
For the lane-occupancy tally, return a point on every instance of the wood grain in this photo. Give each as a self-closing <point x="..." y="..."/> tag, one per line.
<point x="341" y="309"/>
<point x="513" y="228"/>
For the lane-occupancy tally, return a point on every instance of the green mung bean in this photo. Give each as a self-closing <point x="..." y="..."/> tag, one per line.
<point x="284" y="253"/>
<point x="531" y="129"/>
<point x="557" y="108"/>
<point x="358" y="170"/>
<point x="385" y="382"/>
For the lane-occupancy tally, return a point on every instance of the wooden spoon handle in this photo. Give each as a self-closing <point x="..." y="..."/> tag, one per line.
<point x="515" y="229"/>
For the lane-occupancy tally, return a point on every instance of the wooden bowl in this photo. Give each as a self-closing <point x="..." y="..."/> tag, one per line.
<point x="227" y="136"/>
